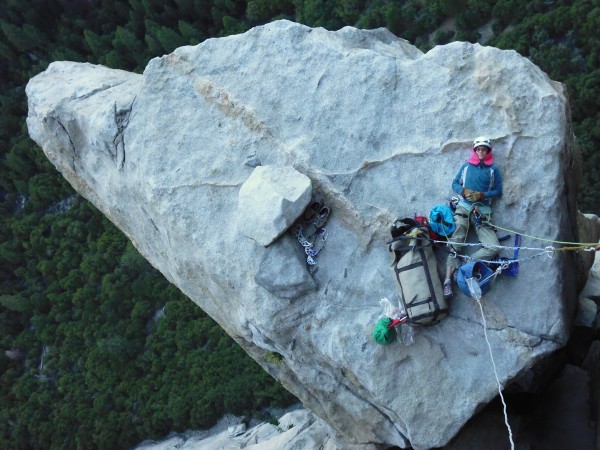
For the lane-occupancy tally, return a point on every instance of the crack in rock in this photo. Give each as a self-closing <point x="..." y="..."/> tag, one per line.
<point x="99" y="89"/>
<point x="122" y="118"/>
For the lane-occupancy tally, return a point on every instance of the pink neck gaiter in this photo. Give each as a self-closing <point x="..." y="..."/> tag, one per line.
<point x="474" y="159"/>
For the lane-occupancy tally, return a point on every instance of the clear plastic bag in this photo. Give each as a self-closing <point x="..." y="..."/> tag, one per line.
<point x="406" y="332"/>
<point x="474" y="288"/>
<point x="390" y="310"/>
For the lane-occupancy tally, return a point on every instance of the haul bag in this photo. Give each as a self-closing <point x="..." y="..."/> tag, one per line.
<point x="421" y="291"/>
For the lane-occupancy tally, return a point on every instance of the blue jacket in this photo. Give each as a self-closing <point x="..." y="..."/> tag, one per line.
<point x="480" y="178"/>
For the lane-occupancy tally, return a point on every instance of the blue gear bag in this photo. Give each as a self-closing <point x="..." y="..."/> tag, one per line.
<point x="441" y="220"/>
<point x="477" y="270"/>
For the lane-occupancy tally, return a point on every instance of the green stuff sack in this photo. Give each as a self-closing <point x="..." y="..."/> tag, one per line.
<point x="382" y="333"/>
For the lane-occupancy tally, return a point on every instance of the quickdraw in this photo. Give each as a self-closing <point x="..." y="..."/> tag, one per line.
<point x="311" y="252"/>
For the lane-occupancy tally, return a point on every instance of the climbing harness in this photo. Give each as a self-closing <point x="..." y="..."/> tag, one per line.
<point x="548" y="251"/>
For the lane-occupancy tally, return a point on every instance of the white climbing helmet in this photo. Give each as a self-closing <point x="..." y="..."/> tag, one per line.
<point x="482" y="141"/>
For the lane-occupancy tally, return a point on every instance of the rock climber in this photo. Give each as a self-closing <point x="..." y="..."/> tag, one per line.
<point x="477" y="182"/>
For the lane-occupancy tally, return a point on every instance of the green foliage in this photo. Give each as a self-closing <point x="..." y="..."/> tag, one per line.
<point x="232" y="26"/>
<point x="317" y="13"/>
<point x="16" y="303"/>
<point x="274" y="358"/>
<point x="110" y="344"/>
<point x="410" y="19"/>
<point x="472" y="15"/>
<point x="24" y="38"/>
<point x="127" y="45"/>
<point x="452" y="8"/>
<point x="349" y="10"/>
<point x="262" y="11"/>
<point x="189" y="33"/>
<point x="169" y="39"/>
<point x="442" y="37"/>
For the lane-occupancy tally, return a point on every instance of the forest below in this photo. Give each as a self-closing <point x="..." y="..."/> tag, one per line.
<point x="98" y="350"/>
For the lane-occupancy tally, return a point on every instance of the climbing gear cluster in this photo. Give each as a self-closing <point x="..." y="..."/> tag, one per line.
<point x="413" y="240"/>
<point x="311" y="232"/>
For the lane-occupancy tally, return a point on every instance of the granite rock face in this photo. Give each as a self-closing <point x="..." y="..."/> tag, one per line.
<point x="380" y="129"/>
<point x="296" y="430"/>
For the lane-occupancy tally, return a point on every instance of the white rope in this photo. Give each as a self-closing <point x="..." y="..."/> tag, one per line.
<point x="500" y="247"/>
<point x="548" y="253"/>
<point x="476" y="293"/>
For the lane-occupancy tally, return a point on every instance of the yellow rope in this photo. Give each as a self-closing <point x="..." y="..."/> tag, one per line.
<point x="580" y="247"/>
<point x="577" y="245"/>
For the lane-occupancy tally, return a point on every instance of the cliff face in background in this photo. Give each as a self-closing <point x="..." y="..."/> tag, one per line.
<point x="379" y="129"/>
